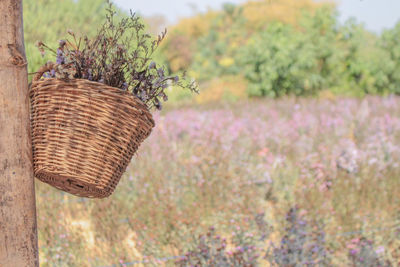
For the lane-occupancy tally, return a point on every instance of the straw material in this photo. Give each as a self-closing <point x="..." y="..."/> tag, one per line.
<point x="84" y="134"/>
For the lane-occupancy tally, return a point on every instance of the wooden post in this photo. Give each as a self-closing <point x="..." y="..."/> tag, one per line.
<point x="18" y="231"/>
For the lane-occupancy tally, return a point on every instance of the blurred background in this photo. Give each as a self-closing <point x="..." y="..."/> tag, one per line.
<point x="289" y="156"/>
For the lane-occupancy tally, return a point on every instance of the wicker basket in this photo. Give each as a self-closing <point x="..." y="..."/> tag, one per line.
<point x="84" y="134"/>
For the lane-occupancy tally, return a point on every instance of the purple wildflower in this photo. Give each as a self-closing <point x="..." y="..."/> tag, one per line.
<point x="60" y="57"/>
<point x="152" y="65"/>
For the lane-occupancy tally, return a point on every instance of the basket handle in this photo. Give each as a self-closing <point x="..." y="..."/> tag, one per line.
<point x="48" y="67"/>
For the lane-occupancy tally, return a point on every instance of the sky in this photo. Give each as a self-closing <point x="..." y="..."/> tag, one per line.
<point x="375" y="14"/>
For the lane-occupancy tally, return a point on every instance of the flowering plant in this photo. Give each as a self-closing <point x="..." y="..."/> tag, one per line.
<point x="120" y="55"/>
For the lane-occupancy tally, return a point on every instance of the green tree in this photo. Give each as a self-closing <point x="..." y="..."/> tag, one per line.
<point x="49" y="20"/>
<point x="321" y="34"/>
<point x="390" y="42"/>
<point x="279" y="61"/>
<point x="215" y="52"/>
<point x="364" y="69"/>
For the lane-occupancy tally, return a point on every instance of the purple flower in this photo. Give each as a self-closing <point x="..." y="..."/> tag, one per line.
<point x="60" y="57"/>
<point x="353" y="252"/>
<point x="152" y="65"/>
<point x="239" y="248"/>
<point x="380" y="250"/>
<point x="160" y="72"/>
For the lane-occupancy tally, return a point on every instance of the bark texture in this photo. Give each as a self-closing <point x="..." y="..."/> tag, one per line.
<point x="18" y="231"/>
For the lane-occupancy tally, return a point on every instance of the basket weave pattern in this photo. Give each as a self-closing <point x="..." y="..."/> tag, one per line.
<point x="84" y="134"/>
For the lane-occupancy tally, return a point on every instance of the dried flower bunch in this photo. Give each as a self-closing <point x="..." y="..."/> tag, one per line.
<point x="120" y="55"/>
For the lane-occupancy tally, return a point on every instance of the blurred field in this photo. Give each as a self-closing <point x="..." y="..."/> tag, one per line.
<point x="333" y="162"/>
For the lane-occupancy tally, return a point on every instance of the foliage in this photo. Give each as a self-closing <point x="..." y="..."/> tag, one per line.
<point x="320" y="55"/>
<point x="179" y="45"/>
<point x="299" y="49"/>
<point x="228" y="88"/>
<point x="119" y="55"/>
<point x="280" y="47"/>
<point x="301" y="245"/>
<point x="363" y="254"/>
<point x="47" y="21"/>
<point x="391" y="43"/>
<point x="213" y="250"/>
<point x="277" y="64"/>
<point x="203" y="33"/>
<point x="258" y="14"/>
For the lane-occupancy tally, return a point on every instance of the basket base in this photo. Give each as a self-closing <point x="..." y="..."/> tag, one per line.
<point x="72" y="185"/>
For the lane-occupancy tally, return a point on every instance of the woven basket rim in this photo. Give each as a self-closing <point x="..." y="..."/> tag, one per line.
<point x="102" y="85"/>
<point x="108" y="89"/>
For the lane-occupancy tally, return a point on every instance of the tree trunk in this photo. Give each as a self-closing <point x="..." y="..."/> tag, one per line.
<point x="18" y="233"/>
